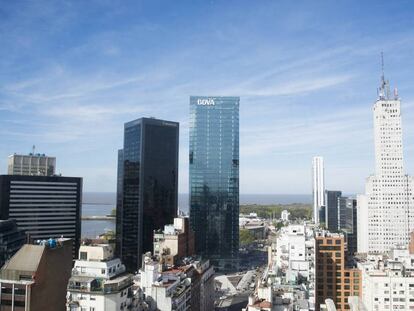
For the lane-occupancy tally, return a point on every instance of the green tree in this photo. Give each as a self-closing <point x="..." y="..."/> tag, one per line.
<point x="246" y="237"/>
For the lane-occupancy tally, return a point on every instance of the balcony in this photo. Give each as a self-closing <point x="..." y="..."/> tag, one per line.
<point x="99" y="285"/>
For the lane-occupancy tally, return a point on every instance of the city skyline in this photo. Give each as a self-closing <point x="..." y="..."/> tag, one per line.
<point x="305" y="90"/>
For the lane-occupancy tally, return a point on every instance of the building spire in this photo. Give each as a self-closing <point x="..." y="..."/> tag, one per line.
<point x="384" y="89"/>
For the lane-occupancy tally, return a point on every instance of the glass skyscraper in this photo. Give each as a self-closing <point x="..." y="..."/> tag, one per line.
<point x="214" y="178"/>
<point x="148" y="182"/>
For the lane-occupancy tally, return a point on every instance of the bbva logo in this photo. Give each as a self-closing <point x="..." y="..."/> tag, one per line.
<point x="205" y="102"/>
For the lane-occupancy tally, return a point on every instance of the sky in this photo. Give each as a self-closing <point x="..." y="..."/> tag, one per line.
<point x="73" y="72"/>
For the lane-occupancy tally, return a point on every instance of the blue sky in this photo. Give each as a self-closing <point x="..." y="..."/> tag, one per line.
<point x="71" y="73"/>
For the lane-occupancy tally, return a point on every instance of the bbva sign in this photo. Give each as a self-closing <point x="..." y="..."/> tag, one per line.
<point x="205" y="102"/>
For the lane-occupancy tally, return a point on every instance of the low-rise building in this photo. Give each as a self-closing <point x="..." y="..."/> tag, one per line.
<point x="186" y="287"/>
<point x="164" y="290"/>
<point x="294" y="253"/>
<point x="388" y="283"/>
<point x="35" y="278"/>
<point x="288" y="281"/>
<point x="271" y="296"/>
<point x="11" y="239"/>
<point x="285" y="216"/>
<point x="176" y="241"/>
<point x="99" y="282"/>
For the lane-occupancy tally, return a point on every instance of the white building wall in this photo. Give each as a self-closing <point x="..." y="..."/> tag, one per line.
<point x="318" y="186"/>
<point x="389" y="192"/>
<point x="362" y="224"/>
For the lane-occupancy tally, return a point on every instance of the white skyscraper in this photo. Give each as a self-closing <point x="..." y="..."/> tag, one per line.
<point x="318" y="187"/>
<point x="388" y="200"/>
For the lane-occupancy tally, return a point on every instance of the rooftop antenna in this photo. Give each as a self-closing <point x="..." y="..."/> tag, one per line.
<point x="384" y="90"/>
<point x="33" y="149"/>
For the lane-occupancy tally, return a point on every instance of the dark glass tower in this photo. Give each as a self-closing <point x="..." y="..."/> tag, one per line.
<point x="214" y="178"/>
<point x="148" y="169"/>
<point x="331" y="209"/>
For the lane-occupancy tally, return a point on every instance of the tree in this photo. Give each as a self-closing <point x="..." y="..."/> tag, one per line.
<point x="246" y="237"/>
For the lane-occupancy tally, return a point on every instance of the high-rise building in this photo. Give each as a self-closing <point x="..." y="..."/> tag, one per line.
<point x="35" y="278"/>
<point x="318" y="188"/>
<point x="99" y="281"/>
<point x="119" y="196"/>
<point x="31" y="164"/>
<point x="331" y="209"/>
<point x="388" y="203"/>
<point x="44" y="206"/>
<point x="11" y="239"/>
<point x="348" y="224"/>
<point x="334" y="280"/>
<point x="149" y="186"/>
<point x="214" y="178"/>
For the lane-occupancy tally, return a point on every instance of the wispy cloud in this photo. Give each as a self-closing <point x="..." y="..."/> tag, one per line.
<point x="72" y="74"/>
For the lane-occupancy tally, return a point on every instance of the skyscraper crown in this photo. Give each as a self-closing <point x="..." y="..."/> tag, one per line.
<point x="383" y="91"/>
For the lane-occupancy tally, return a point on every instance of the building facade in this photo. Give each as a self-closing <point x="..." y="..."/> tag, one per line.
<point x="175" y="242"/>
<point x="214" y="178"/>
<point x="99" y="282"/>
<point x="294" y="253"/>
<point x="149" y="186"/>
<point x="348" y="223"/>
<point x="44" y="206"/>
<point x="36" y="277"/>
<point x="119" y="199"/>
<point x="318" y="175"/>
<point x="388" y="284"/>
<point x="11" y="239"/>
<point x="332" y="210"/>
<point x="334" y="280"/>
<point x="189" y="286"/>
<point x="388" y="202"/>
<point x="31" y="164"/>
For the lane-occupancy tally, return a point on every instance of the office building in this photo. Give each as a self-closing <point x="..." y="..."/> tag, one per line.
<point x="11" y="239"/>
<point x="31" y="164"/>
<point x="214" y="178"/>
<point x="388" y="283"/>
<point x="388" y="202"/>
<point x="334" y="280"/>
<point x="318" y="174"/>
<point x="332" y="209"/>
<point x="99" y="282"/>
<point x="35" y="278"/>
<point x="43" y="206"/>
<point x="175" y="242"/>
<point x="348" y="223"/>
<point x="119" y="196"/>
<point x="149" y="186"/>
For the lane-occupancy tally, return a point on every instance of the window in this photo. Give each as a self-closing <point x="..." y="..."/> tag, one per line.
<point x="103" y="271"/>
<point x="83" y="256"/>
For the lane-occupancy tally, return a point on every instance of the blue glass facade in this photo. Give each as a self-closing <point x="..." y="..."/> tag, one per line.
<point x="148" y="169"/>
<point x="214" y="178"/>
